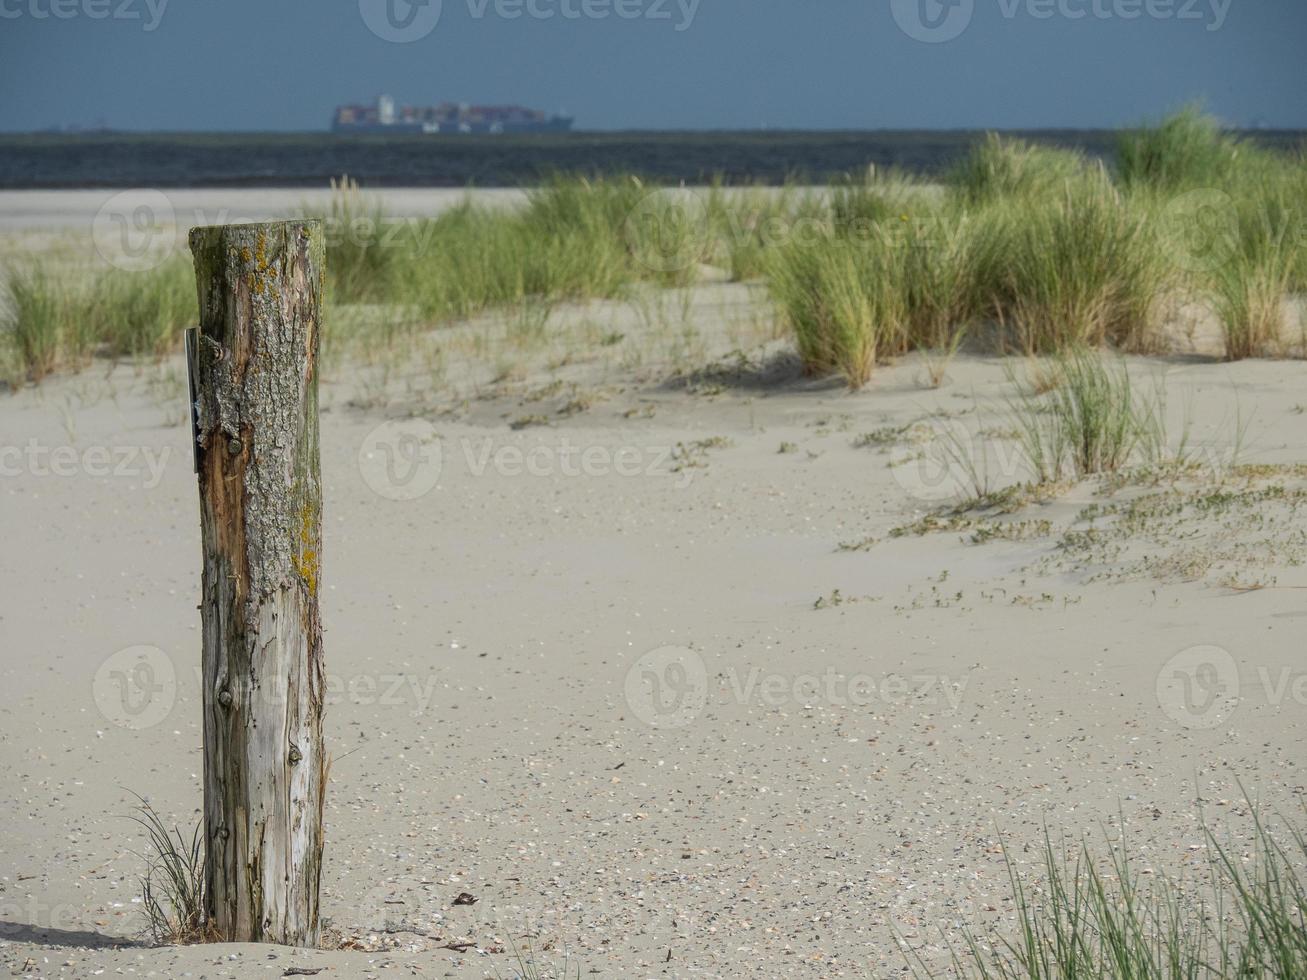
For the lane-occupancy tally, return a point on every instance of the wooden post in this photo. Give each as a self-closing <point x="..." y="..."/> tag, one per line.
<point x="256" y="429"/>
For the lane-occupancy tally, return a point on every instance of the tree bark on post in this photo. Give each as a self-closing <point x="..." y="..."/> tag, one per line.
<point x="256" y="430"/>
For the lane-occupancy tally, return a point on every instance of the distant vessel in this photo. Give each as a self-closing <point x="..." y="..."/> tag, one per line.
<point x="383" y="116"/>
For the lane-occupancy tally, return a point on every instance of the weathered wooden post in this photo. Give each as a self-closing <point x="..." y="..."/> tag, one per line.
<point x="255" y="371"/>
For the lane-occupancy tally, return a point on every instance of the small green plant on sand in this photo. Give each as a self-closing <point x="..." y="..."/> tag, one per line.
<point x="529" y="966"/>
<point x="172" y="887"/>
<point x="1093" y="422"/>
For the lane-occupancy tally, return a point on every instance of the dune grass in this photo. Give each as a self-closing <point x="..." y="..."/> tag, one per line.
<point x="1233" y="212"/>
<point x="1261" y="266"/>
<point x="363" y="255"/>
<point x="571" y="241"/>
<point x="1092" y="421"/>
<point x="1091" y="918"/>
<point x="38" y="320"/>
<point x="745" y="224"/>
<point x="999" y="169"/>
<point x="1186" y="150"/>
<point x="844" y="305"/>
<point x="1076" y="267"/>
<point x="56" y="318"/>
<point x="1254" y="213"/>
<point x="1055" y="252"/>
<point x="890" y="269"/>
<point x="575" y="239"/>
<point x="142" y="313"/>
<point x="1037" y="247"/>
<point x="1035" y="242"/>
<point x="860" y="204"/>
<point x="1053" y="270"/>
<point x="568" y="242"/>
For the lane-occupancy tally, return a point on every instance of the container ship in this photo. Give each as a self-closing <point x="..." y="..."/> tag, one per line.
<point x="383" y="116"/>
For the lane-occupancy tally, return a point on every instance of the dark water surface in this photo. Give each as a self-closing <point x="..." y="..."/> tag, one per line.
<point x="310" y="159"/>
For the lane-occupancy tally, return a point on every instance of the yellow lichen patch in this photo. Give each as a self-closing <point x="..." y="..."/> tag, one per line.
<point x="261" y="280"/>
<point x="306" y="560"/>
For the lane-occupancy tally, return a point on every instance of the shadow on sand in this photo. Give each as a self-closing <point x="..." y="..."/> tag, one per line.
<point x="23" y="932"/>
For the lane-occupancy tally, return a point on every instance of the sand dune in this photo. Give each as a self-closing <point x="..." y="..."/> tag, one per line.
<point x="626" y="645"/>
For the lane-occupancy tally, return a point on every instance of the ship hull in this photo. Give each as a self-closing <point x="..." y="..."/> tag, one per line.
<point x="556" y="125"/>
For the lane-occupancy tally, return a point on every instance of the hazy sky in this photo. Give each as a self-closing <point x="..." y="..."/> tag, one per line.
<point x="284" y="64"/>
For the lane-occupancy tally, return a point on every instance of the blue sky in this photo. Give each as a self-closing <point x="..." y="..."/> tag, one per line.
<point x="615" y="64"/>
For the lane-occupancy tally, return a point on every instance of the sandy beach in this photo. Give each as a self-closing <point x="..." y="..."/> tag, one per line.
<point x="76" y="210"/>
<point x="649" y="644"/>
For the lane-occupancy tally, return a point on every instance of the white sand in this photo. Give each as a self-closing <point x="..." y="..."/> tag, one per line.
<point x="76" y="209"/>
<point x="833" y="777"/>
